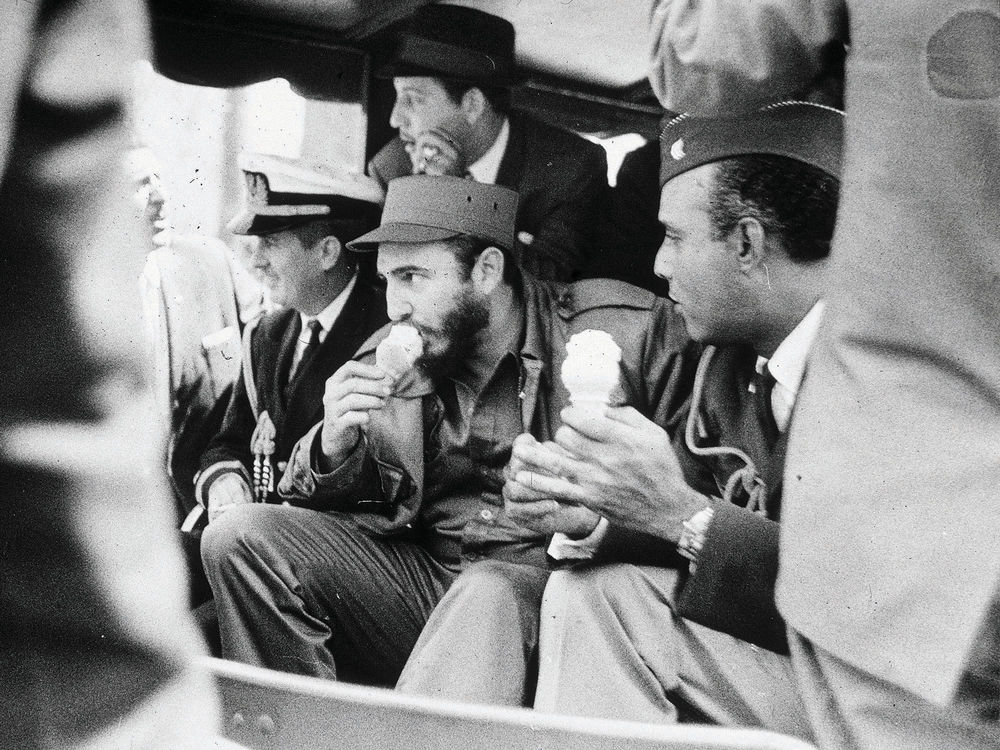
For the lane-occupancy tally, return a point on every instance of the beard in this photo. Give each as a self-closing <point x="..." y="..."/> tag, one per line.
<point x="459" y="330"/>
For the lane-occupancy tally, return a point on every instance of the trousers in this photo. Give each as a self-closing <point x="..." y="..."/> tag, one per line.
<point x="480" y="645"/>
<point x="612" y="646"/>
<point x="312" y="593"/>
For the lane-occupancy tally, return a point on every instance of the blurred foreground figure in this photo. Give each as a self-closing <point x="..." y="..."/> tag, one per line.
<point x="890" y="566"/>
<point x="94" y="641"/>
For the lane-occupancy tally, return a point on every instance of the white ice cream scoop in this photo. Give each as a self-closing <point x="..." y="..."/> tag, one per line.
<point x="398" y="351"/>
<point x="591" y="369"/>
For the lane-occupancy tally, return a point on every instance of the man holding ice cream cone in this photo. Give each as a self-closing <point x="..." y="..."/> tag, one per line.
<point x="409" y="460"/>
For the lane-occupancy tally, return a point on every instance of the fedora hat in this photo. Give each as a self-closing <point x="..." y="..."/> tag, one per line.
<point x="457" y="43"/>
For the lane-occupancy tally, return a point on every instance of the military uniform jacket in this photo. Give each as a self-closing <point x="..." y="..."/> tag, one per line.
<point x="732" y="587"/>
<point x="561" y="180"/>
<point x="292" y="406"/>
<point x="382" y="481"/>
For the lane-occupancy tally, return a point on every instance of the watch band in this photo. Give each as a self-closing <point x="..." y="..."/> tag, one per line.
<point x="693" y="536"/>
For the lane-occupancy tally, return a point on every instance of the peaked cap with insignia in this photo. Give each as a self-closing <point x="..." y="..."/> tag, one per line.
<point x="283" y="193"/>
<point x="809" y="133"/>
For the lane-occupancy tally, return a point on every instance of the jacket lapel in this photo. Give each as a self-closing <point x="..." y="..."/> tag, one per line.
<point x="512" y="163"/>
<point x="362" y="311"/>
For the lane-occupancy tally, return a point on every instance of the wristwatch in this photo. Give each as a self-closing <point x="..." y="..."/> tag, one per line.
<point x="693" y="536"/>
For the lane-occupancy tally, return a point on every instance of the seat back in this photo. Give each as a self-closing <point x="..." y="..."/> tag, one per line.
<point x="268" y="710"/>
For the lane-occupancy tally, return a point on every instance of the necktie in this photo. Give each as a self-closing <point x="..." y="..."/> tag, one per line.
<point x="763" y="387"/>
<point x="314" y="331"/>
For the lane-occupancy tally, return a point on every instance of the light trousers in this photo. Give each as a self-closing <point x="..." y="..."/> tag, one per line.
<point x="612" y="646"/>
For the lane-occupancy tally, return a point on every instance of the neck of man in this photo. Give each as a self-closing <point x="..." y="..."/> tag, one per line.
<point x="795" y="288"/>
<point x="334" y="282"/>
<point x="484" y="135"/>
<point x="502" y="334"/>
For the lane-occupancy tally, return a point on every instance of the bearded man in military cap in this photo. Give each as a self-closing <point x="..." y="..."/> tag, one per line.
<point x="409" y="459"/>
<point x="749" y="206"/>
<point x="452" y="70"/>
<point x="302" y="216"/>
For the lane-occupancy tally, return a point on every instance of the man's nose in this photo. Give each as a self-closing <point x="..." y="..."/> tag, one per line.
<point x="663" y="265"/>
<point x="397" y="118"/>
<point x="258" y="257"/>
<point x="396" y="306"/>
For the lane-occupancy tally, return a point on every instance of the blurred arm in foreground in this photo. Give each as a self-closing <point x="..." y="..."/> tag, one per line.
<point x="95" y="638"/>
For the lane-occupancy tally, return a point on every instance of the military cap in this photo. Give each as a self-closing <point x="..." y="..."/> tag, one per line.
<point x="423" y="208"/>
<point x="283" y="193"/>
<point x="809" y="133"/>
<point x="458" y="43"/>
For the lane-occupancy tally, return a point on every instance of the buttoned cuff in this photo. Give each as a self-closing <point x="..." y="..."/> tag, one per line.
<point x="563" y="547"/>
<point x="349" y="471"/>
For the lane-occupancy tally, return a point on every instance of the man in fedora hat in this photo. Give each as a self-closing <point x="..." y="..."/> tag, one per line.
<point x="452" y="71"/>
<point x="413" y="462"/>
<point x="302" y="217"/>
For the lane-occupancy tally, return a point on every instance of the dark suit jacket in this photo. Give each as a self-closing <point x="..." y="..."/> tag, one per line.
<point x="562" y="182"/>
<point x="296" y="406"/>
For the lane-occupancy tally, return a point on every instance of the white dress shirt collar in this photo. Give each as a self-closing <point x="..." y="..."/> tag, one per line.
<point x="788" y="364"/>
<point x="329" y="314"/>
<point x="487" y="167"/>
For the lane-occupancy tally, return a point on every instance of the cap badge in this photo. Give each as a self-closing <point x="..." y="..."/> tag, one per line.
<point x="677" y="149"/>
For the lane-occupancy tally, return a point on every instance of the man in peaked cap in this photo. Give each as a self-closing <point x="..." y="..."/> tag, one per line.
<point x="302" y="216"/>
<point x="452" y="71"/>
<point x="412" y="464"/>
<point x="748" y="205"/>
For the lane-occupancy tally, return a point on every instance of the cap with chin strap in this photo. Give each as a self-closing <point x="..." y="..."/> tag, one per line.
<point x="282" y="193"/>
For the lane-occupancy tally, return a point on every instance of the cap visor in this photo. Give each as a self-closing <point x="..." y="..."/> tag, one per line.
<point x="255" y="225"/>
<point x="399" y="232"/>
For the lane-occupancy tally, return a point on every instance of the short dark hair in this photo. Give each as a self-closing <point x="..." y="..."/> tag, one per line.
<point x="468" y="248"/>
<point x="794" y="201"/>
<point x="497" y="96"/>
<point x="344" y="230"/>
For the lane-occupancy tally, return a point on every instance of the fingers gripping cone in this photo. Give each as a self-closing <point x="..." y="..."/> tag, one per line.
<point x="591" y="369"/>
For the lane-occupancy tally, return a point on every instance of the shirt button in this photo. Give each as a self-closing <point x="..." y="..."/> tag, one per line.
<point x="282" y="465"/>
<point x="486" y="515"/>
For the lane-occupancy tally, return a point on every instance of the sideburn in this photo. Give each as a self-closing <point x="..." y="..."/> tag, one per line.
<point x="460" y="327"/>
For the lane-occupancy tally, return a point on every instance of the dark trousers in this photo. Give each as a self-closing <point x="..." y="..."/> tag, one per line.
<point x="308" y="592"/>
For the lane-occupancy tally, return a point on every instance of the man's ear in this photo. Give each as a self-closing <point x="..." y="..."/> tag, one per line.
<point x="330" y="251"/>
<point x="751" y="247"/>
<point x="473" y="105"/>
<point x="487" y="273"/>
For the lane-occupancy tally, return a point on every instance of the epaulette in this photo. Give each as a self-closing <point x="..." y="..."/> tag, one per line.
<point x="591" y="294"/>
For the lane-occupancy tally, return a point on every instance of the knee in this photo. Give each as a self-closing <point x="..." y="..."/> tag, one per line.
<point x="239" y="529"/>
<point x="611" y="586"/>
<point x="500" y="586"/>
